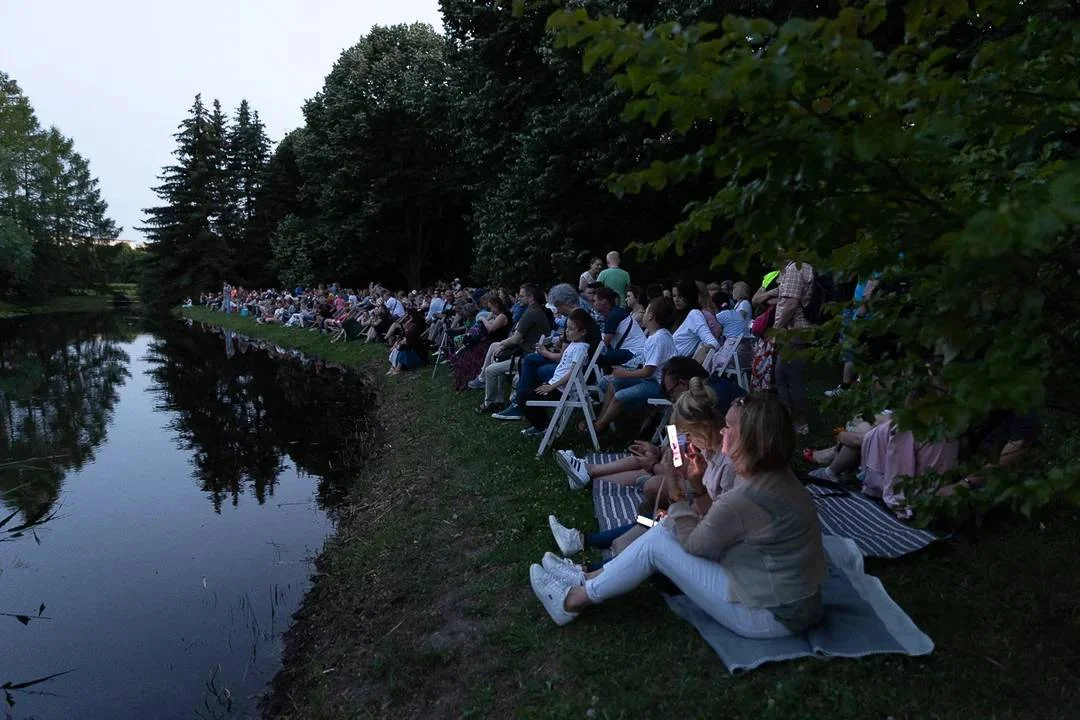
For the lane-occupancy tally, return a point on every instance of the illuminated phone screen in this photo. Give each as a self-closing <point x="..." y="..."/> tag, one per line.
<point x="673" y="442"/>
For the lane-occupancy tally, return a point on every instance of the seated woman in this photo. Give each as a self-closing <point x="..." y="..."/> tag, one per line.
<point x="754" y="561"/>
<point x="629" y="388"/>
<point x="411" y="350"/>
<point x="693" y="338"/>
<point x="582" y="335"/>
<point x="703" y="423"/>
<point x="494" y="328"/>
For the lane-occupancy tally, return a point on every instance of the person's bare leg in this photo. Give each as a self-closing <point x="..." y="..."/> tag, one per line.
<point x="628" y="477"/>
<point x="848" y="376"/>
<point x="618" y="466"/>
<point x="847" y="460"/>
<point x="610" y="412"/>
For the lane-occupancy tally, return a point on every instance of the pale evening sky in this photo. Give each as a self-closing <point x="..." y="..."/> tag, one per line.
<point x="117" y="76"/>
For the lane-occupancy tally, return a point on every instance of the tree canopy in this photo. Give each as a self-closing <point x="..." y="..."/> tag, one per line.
<point x="932" y="142"/>
<point x="54" y="228"/>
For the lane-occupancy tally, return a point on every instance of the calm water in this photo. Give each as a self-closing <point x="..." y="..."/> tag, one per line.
<point x="176" y="484"/>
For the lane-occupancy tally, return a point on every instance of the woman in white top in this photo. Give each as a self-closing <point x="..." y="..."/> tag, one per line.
<point x="693" y="330"/>
<point x="590" y="275"/>
<point x="583" y="336"/>
<point x="633" y="388"/>
<point x="740" y="295"/>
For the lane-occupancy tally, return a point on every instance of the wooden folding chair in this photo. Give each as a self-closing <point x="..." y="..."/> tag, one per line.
<point x="575" y="397"/>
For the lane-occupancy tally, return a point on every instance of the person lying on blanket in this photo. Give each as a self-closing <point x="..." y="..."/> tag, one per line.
<point x="754" y="562"/>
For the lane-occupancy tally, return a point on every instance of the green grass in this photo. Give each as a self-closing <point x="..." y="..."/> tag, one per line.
<point x="60" y="304"/>
<point x="423" y="606"/>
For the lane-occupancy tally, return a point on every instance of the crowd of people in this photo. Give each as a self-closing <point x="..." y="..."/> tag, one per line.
<point x="727" y="520"/>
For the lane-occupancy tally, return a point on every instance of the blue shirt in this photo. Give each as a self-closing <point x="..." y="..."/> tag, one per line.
<point x="437" y="306"/>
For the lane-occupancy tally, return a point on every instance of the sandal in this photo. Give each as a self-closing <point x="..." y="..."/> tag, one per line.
<point x="487" y="408"/>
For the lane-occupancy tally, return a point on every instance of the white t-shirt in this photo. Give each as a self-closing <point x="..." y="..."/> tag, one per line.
<point x="634" y="342"/>
<point x="694" y="331"/>
<point x="659" y="348"/>
<point x="395" y="307"/>
<point x="573" y="352"/>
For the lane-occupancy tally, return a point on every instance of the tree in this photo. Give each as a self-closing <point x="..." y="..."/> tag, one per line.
<point x="48" y="192"/>
<point x="544" y="136"/>
<point x="379" y="164"/>
<point x="185" y="253"/>
<point x="925" y="140"/>
<point x="248" y="151"/>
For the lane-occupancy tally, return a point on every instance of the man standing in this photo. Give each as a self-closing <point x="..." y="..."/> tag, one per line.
<point x="615" y="277"/>
<point x="796" y="287"/>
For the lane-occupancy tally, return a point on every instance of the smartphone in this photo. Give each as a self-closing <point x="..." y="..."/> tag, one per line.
<point x="647" y="522"/>
<point x="673" y="443"/>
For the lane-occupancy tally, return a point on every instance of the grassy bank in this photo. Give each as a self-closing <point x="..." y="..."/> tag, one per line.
<point x="65" y="303"/>
<point x="423" y="606"/>
<point x="77" y="301"/>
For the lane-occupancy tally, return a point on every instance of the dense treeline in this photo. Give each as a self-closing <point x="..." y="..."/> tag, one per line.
<point x="208" y="229"/>
<point x="55" y="233"/>
<point x="935" y="144"/>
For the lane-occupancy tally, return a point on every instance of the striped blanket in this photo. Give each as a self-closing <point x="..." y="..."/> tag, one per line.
<point x="876" y="531"/>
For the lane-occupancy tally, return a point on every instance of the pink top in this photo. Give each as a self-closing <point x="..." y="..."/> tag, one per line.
<point x="889" y="456"/>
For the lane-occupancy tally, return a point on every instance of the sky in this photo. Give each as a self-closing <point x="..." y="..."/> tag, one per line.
<point x="118" y="76"/>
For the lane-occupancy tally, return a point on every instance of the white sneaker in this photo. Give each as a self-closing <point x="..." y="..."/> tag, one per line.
<point x="576" y="473"/>
<point x="569" y="540"/>
<point x="836" y="391"/>
<point x="551" y="592"/>
<point x="564" y="569"/>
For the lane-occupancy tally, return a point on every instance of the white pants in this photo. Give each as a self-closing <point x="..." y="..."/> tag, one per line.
<point x="704" y="581"/>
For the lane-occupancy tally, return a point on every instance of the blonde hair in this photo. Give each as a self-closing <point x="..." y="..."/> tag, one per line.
<point x="697" y="407"/>
<point x="766" y="435"/>
<point x="741" y="291"/>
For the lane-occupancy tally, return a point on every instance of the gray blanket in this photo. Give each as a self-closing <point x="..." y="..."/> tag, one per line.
<point x="860" y="617"/>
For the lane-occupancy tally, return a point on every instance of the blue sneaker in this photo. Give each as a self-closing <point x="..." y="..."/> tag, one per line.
<point x="510" y="413"/>
<point x="533" y="432"/>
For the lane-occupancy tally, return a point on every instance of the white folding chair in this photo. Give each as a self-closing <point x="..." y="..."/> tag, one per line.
<point x="593" y="374"/>
<point x="727" y="362"/>
<point x="658" y="436"/>
<point x="575" y="397"/>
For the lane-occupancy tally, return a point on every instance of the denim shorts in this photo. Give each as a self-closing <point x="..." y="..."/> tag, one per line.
<point x="633" y="392"/>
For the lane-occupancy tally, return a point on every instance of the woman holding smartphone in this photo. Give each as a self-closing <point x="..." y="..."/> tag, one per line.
<point x="754" y="561"/>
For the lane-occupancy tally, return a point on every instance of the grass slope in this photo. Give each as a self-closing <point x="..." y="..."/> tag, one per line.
<point x="423" y="607"/>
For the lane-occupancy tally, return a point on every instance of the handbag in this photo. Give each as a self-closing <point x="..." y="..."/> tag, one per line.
<point x="763" y="322"/>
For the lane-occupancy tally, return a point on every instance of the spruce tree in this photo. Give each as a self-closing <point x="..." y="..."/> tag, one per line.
<point x="186" y="253"/>
<point x="248" y="155"/>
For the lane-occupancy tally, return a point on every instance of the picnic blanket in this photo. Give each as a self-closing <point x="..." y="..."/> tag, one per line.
<point x="876" y="531"/>
<point x="860" y="617"/>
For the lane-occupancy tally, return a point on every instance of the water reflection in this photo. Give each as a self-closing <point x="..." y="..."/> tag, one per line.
<point x="59" y="383"/>
<point x="242" y="411"/>
<point x="116" y="432"/>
